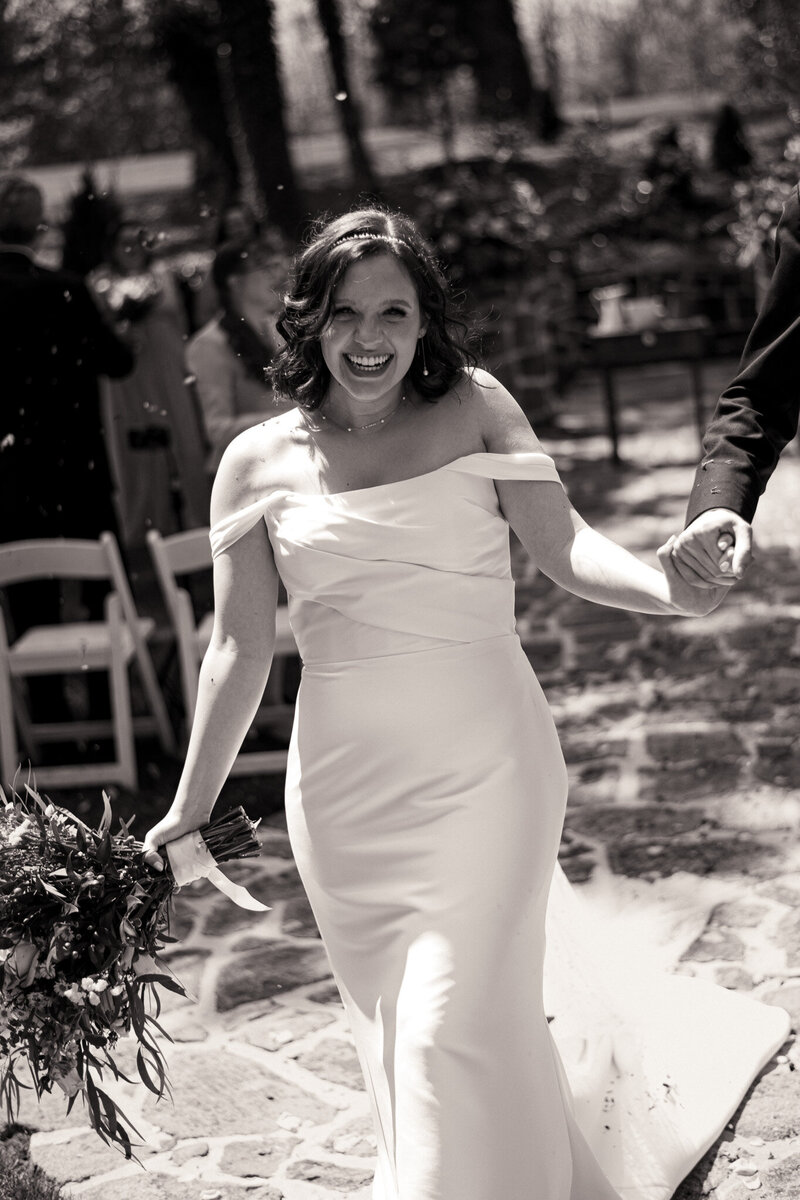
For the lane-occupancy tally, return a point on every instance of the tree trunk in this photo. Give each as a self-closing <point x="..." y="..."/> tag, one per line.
<point x="442" y="113"/>
<point x="505" y="81"/>
<point x="350" y="115"/>
<point x="249" y="189"/>
<point x="548" y="40"/>
<point x="188" y="41"/>
<point x="247" y="27"/>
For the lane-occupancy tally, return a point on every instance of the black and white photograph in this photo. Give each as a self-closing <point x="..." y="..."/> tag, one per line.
<point x="399" y="599"/>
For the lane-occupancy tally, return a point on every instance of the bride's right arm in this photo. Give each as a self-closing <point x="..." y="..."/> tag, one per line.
<point x="234" y="671"/>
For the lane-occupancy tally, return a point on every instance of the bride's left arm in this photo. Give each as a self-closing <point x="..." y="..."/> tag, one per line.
<point x="561" y="543"/>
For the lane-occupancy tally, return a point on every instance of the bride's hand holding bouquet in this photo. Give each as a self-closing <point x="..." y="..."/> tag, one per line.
<point x="83" y="918"/>
<point x="173" y="825"/>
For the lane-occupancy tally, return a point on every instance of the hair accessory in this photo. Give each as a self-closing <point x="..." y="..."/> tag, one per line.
<point x="374" y="237"/>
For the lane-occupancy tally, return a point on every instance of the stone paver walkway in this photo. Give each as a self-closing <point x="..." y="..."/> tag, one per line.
<point x="683" y="746"/>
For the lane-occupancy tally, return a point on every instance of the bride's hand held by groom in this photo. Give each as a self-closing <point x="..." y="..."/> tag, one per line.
<point x="715" y="550"/>
<point x="691" y="599"/>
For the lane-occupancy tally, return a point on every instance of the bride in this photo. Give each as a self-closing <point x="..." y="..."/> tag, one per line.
<point x="425" y="790"/>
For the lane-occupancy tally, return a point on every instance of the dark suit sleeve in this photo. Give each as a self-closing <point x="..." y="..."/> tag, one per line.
<point x="108" y="353"/>
<point x="757" y="414"/>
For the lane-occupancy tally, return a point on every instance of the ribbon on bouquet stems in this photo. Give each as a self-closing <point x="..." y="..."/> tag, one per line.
<point x="190" y="859"/>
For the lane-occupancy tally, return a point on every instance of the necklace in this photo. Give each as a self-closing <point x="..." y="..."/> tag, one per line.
<point x="370" y="425"/>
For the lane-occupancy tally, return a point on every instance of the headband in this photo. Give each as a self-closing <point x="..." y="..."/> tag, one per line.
<point x="375" y="237"/>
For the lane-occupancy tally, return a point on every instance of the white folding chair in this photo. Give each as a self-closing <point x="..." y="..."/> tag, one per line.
<point x="188" y="553"/>
<point x="70" y="647"/>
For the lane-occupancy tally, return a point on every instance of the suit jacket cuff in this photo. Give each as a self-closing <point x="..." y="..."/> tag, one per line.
<point x="726" y="489"/>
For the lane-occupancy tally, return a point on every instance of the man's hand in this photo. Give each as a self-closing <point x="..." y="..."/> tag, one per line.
<point x="716" y="549"/>
<point x="688" y="598"/>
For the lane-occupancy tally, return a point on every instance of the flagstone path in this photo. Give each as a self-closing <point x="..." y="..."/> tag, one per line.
<point x="683" y="744"/>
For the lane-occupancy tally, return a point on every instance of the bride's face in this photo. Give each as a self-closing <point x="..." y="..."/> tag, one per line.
<point x="371" y="339"/>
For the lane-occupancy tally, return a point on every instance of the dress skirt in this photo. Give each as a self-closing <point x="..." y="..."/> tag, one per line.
<point x="425" y="799"/>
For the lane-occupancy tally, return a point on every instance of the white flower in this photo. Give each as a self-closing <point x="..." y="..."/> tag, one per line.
<point x="18" y="834"/>
<point x="74" y="993"/>
<point x="94" y="998"/>
<point x="93" y="983"/>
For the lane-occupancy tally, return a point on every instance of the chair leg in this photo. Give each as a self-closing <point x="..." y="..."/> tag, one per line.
<point x="155" y="697"/>
<point x="9" y="760"/>
<point x="146" y="669"/>
<point x="23" y="716"/>
<point x="121" y="700"/>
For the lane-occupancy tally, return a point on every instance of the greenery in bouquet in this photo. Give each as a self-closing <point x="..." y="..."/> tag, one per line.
<point x="82" y="921"/>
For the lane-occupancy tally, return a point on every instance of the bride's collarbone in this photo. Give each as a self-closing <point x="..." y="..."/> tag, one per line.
<point x="354" y="470"/>
<point x="339" y="462"/>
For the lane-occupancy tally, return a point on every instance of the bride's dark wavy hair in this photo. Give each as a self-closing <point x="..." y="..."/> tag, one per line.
<point x="298" y="371"/>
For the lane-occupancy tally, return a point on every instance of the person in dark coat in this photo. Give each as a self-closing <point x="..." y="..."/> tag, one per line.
<point x="755" y="418"/>
<point x="54" y="475"/>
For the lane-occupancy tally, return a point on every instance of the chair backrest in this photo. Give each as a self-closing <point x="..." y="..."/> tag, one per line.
<point x="121" y="586"/>
<point x="70" y="558"/>
<point x="54" y="558"/>
<point x="176" y="555"/>
<point x="181" y="553"/>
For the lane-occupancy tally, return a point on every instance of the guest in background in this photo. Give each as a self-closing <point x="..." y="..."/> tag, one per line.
<point x="155" y="440"/>
<point x="238" y="224"/>
<point x="227" y="357"/>
<point x="730" y="152"/>
<point x="54" y="471"/>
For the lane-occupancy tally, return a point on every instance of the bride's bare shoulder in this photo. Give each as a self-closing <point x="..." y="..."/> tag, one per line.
<point x="503" y="424"/>
<point x="253" y="465"/>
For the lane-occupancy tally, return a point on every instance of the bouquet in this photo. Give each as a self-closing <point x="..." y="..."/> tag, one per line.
<point x="82" y="919"/>
<point x="129" y="297"/>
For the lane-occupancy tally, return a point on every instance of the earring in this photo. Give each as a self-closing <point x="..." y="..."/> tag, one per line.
<point x="422" y="348"/>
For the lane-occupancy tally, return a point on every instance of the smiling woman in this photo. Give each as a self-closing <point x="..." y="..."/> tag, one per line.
<point x="425" y="786"/>
<point x="318" y="312"/>
<point x="371" y="341"/>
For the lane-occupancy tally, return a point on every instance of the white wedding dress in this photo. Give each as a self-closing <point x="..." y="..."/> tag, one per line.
<point x="425" y="797"/>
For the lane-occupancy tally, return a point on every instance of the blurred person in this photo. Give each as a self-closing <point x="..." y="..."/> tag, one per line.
<point x="730" y="152"/>
<point x="155" y="441"/>
<point x="755" y="418"/>
<point x="54" y="471"/>
<point x="239" y="225"/>
<point x="671" y="168"/>
<point x="227" y="358"/>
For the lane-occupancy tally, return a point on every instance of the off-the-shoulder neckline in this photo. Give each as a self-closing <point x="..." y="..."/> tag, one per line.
<point x="262" y="504"/>
<point x="376" y="487"/>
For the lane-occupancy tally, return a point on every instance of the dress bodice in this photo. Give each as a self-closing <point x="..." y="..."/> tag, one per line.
<point x="398" y="567"/>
